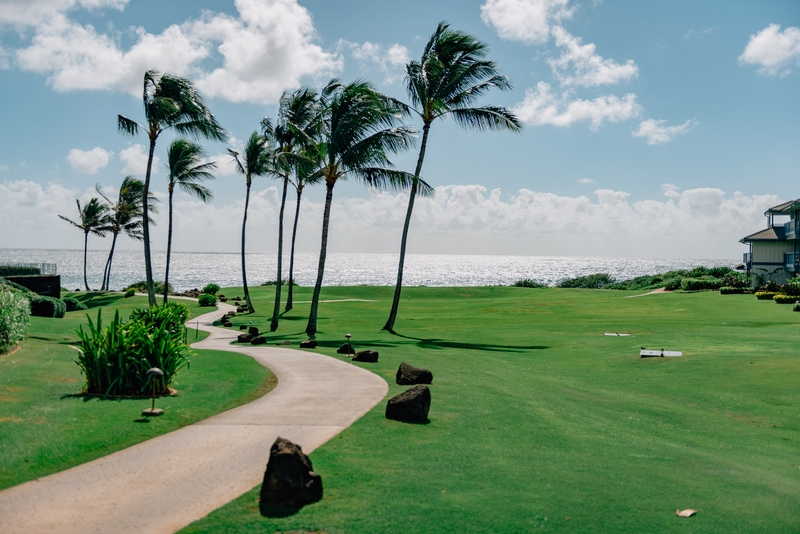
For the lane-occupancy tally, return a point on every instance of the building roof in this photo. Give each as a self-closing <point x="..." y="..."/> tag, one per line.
<point x="784" y="209"/>
<point x="773" y="233"/>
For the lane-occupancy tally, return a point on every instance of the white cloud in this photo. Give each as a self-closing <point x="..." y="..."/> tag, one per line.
<point x="89" y="161"/>
<point x="586" y="181"/>
<point x="3" y="58"/>
<point x="540" y="107"/>
<point x="269" y="47"/>
<point x="528" y="21"/>
<point x="658" y="134"/>
<point x="23" y="13"/>
<point x="587" y="68"/>
<point x="390" y="61"/>
<point x="772" y="50"/>
<point x="694" y="34"/>
<point x="671" y="190"/>
<point x="4" y="168"/>
<point x="135" y="159"/>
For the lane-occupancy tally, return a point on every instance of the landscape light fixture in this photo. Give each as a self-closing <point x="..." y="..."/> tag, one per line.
<point x="349" y="346"/>
<point x="153" y="373"/>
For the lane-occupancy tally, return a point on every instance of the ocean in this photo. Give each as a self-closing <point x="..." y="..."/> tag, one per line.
<point x="190" y="270"/>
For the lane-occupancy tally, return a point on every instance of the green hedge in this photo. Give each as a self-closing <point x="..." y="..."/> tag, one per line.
<point x="141" y="287"/>
<point x="42" y="306"/>
<point x="14" y="313"/>
<point x="207" y="300"/>
<point x="129" y="293"/>
<point x="727" y="290"/>
<point x="765" y="295"/>
<point x="697" y="284"/>
<point x="74" y="304"/>
<point x="785" y="299"/>
<point x="527" y="282"/>
<point x="592" y="281"/>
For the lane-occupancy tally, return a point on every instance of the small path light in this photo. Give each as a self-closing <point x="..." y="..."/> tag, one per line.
<point x="154" y="373"/>
<point x="349" y="347"/>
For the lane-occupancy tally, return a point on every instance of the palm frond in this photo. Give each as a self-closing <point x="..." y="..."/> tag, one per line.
<point x="487" y="118"/>
<point x="127" y="126"/>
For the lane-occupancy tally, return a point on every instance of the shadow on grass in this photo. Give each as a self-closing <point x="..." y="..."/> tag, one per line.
<point x="275" y="511"/>
<point x="94" y="299"/>
<point x="441" y="344"/>
<point x="52" y="340"/>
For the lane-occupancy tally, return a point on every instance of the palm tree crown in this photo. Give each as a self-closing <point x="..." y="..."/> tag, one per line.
<point x="93" y="219"/>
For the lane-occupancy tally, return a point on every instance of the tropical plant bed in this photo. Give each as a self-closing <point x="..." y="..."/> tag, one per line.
<point x="541" y="422"/>
<point x="47" y="424"/>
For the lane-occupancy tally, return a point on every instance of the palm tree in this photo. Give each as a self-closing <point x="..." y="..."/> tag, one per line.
<point x="255" y="162"/>
<point x="125" y="216"/>
<point x="452" y="74"/>
<point x="294" y="127"/>
<point x="357" y="127"/>
<point x="93" y="219"/>
<point x="187" y="171"/>
<point x="170" y="102"/>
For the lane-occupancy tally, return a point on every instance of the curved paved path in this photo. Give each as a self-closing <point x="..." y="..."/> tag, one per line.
<point x="165" y="483"/>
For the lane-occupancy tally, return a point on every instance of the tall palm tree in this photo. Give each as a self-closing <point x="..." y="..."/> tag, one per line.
<point x="170" y="102"/>
<point x="256" y="161"/>
<point x="358" y="126"/>
<point x="294" y="128"/>
<point x="125" y="216"/>
<point x="187" y="171"/>
<point x="452" y="74"/>
<point x="93" y="219"/>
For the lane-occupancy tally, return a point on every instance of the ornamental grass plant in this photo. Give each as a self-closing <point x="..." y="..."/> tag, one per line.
<point x="14" y="315"/>
<point x="115" y="359"/>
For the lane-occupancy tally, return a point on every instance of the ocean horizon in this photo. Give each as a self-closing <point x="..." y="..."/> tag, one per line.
<point x="190" y="270"/>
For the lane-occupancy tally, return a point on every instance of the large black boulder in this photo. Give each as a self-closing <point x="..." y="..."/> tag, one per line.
<point x="244" y="338"/>
<point x="289" y="481"/>
<point x="411" y="406"/>
<point x="347" y="348"/>
<point x="408" y="375"/>
<point x="308" y="344"/>
<point x="253" y="331"/>
<point x="260" y="340"/>
<point x="367" y="356"/>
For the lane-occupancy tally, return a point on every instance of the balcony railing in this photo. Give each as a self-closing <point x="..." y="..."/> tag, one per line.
<point x="790" y="229"/>
<point x="791" y="262"/>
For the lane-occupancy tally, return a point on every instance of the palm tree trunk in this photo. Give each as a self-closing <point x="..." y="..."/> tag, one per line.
<point x="107" y="273"/>
<point x="399" y="286"/>
<point x="311" y="329"/>
<point x="291" y="254"/>
<point x="169" y="248"/>
<point x="276" y="310"/>
<point x="244" y="269"/>
<point x="85" y="248"/>
<point x="148" y="265"/>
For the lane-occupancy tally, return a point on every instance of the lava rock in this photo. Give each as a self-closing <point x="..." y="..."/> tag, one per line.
<point x="243" y="327"/>
<point x="253" y="331"/>
<point x="289" y="481"/>
<point x="367" y="356"/>
<point x="222" y="299"/>
<point x="347" y="348"/>
<point x="411" y="406"/>
<point x="408" y="375"/>
<point x="241" y="309"/>
<point x="227" y="323"/>
<point x="244" y="338"/>
<point x="260" y="340"/>
<point x="308" y="344"/>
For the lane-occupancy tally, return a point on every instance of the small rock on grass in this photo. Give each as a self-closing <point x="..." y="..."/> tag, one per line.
<point x="260" y="340"/>
<point x="345" y="349"/>
<point x="308" y="344"/>
<point x="366" y="356"/>
<point x="244" y="338"/>
<point x="408" y="375"/>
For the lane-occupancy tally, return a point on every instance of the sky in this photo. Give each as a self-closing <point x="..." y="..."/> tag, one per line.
<point x="657" y="129"/>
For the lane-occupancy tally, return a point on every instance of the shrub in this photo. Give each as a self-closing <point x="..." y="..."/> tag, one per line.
<point x="74" y="304"/>
<point x="115" y="359"/>
<point x="785" y="299"/>
<point x="172" y="316"/>
<point x="592" y="281"/>
<point x="672" y="284"/>
<point x="207" y="300"/>
<point x="765" y="295"/>
<point x="727" y="290"/>
<point x="42" y="306"/>
<point x="129" y="293"/>
<point x="284" y="282"/>
<point x="141" y="287"/>
<point x="771" y="286"/>
<point x="14" y="285"/>
<point x="791" y="288"/>
<point x="527" y="282"/>
<point x="211" y="289"/>
<point x="697" y="284"/>
<point x="796" y="306"/>
<point x="14" y="313"/>
<point x="11" y="270"/>
<point x="721" y="272"/>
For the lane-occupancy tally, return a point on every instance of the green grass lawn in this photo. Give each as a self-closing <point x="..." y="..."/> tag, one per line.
<point x="539" y="422"/>
<point x="47" y="426"/>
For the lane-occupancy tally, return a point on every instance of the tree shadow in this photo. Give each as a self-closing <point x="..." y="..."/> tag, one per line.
<point x="433" y="343"/>
<point x="94" y="299"/>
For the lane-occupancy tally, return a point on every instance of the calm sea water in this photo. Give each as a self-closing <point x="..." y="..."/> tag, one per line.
<point x="195" y="269"/>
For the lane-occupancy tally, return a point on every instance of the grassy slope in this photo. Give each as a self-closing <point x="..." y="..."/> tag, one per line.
<point x="539" y="421"/>
<point x="46" y="426"/>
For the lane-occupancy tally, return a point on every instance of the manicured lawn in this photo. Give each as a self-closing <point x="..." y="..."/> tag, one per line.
<point x="539" y="422"/>
<point x="47" y="426"/>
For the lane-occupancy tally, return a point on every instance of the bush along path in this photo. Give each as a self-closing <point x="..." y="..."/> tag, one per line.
<point x="170" y="481"/>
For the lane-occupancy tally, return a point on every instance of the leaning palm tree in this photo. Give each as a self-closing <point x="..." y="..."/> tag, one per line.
<point x="93" y="219"/>
<point x="125" y="216"/>
<point x="256" y="161"/>
<point x="452" y="74"/>
<point x="187" y="171"/>
<point x="294" y="128"/>
<point x="170" y="102"/>
<point x="358" y="126"/>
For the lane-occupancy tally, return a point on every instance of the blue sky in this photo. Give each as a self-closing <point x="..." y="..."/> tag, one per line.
<point x="658" y="129"/>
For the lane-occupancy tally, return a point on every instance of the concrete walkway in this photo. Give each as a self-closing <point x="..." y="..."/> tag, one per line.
<point x="165" y="483"/>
